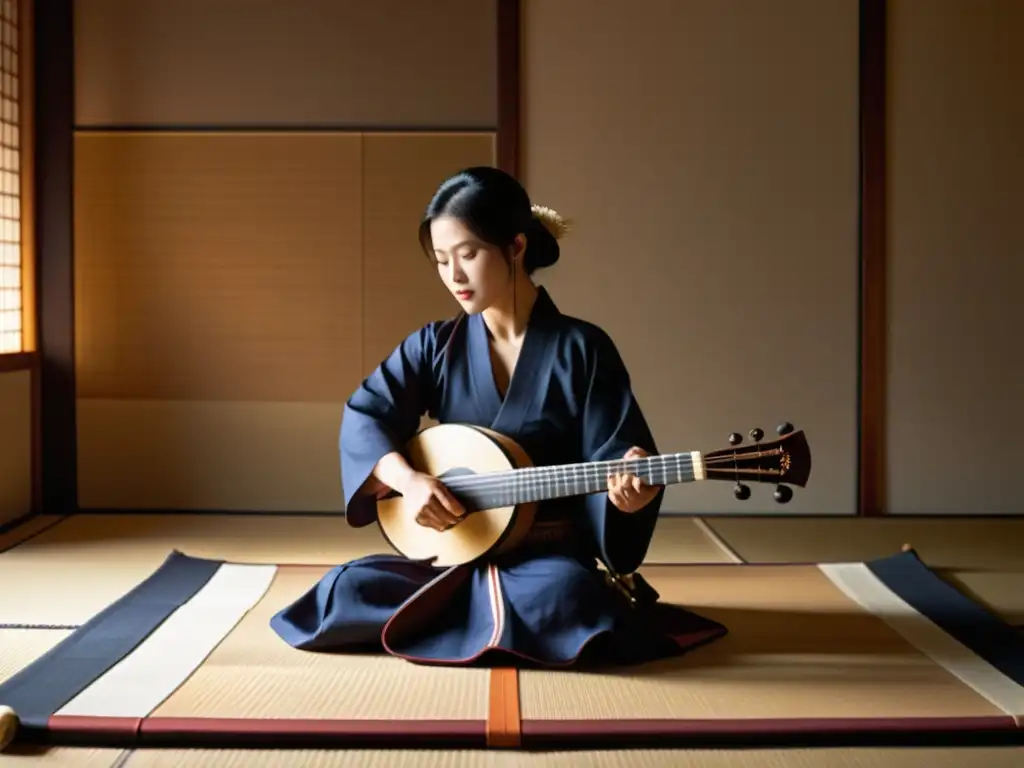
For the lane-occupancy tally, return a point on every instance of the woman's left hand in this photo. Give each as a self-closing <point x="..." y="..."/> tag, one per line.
<point x="627" y="491"/>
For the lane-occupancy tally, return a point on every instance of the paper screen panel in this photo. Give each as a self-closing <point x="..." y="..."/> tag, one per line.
<point x="212" y="455"/>
<point x="11" y="284"/>
<point x="955" y="167"/>
<point x="715" y="218"/>
<point x="218" y="266"/>
<point x="402" y="289"/>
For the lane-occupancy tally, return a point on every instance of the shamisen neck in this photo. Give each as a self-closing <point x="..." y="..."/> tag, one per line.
<point x="531" y="484"/>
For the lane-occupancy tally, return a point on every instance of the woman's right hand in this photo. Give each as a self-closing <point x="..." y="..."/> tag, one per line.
<point x="431" y="503"/>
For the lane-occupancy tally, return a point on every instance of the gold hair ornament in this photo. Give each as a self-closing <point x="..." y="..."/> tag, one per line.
<point x="552" y="220"/>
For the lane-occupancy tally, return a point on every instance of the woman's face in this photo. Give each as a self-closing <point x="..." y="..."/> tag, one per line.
<point x="476" y="273"/>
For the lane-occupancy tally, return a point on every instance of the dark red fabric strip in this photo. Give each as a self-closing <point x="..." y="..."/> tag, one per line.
<point x="310" y="733"/>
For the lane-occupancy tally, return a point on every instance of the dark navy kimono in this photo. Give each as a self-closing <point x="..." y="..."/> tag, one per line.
<point x="548" y="603"/>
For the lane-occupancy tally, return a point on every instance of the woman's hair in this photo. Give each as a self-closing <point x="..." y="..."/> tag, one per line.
<point x="495" y="208"/>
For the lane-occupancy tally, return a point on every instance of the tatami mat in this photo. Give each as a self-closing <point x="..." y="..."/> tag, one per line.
<point x="29" y="756"/>
<point x="252" y="674"/>
<point x="286" y="539"/>
<point x="683" y="540"/>
<point x="69" y="573"/>
<point x="992" y="544"/>
<point x="20" y="647"/>
<point x="984" y="557"/>
<point x="798" y="634"/>
<point x="73" y="570"/>
<point x="795" y="641"/>
<point x="25" y="529"/>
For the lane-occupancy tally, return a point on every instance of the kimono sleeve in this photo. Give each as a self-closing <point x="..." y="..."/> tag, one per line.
<point x="612" y="424"/>
<point x="382" y="415"/>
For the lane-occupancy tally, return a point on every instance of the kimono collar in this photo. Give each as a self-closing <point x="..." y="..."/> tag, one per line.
<point x="506" y="414"/>
<point x="543" y="308"/>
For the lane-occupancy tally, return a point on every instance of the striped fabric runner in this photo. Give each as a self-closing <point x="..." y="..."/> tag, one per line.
<point x="128" y="658"/>
<point x="977" y="647"/>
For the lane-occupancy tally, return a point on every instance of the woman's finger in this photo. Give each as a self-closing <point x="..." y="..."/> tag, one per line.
<point x="441" y="516"/>
<point x="449" y="502"/>
<point x="427" y="519"/>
